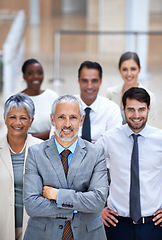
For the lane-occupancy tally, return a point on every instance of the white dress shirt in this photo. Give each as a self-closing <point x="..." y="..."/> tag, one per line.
<point x="118" y="144"/>
<point x="104" y="115"/>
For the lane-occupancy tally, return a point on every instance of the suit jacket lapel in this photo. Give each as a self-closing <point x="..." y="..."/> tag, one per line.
<point x="76" y="160"/>
<point x="6" y="156"/>
<point x="55" y="160"/>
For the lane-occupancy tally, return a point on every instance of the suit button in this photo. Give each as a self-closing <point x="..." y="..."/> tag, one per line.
<point x="61" y="226"/>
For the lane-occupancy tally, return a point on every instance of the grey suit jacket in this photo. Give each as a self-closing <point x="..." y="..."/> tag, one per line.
<point x="84" y="190"/>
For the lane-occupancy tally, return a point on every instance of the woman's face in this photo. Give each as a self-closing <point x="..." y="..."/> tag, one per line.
<point x="129" y="71"/>
<point x="18" y="122"/>
<point x="34" y="76"/>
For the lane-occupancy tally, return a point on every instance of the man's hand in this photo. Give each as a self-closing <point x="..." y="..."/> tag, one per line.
<point x="108" y="217"/>
<point x="50" y="192"/>
<point x="158" y="217"/>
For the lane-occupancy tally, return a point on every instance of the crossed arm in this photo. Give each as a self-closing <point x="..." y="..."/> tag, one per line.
<point x="109" y="217"/>
<point x="50" y="192"/>
<point x="39" y="196"/>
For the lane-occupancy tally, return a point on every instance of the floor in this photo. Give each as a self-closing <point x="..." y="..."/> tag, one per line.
<point x="39" y="42"/>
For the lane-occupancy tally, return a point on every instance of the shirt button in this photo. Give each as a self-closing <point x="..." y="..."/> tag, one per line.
<point x="61" y="226"/>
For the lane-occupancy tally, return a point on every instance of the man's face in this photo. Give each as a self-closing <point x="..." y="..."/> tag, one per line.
<point x="136" y="114"/>
<point x="66" y="122"/>
<point x="89" y="82"/>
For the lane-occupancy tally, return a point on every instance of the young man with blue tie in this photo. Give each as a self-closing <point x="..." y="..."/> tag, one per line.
<point x="134" y="204"/>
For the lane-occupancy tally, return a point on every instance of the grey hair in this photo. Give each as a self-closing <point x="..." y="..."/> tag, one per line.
<point x="19" y="101"/>
<point x="67" y="98"/>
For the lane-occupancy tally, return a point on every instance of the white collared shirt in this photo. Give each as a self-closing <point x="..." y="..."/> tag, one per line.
<point x="118" y="144"/>
<point x="104" y="115"/>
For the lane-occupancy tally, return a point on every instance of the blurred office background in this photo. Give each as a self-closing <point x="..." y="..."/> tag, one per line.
<point x="62" y="34"/>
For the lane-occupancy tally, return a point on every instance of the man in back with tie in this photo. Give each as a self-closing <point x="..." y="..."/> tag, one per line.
<point x="65" y="183"/>
<point x="134" y="204"/>
<point x="101" y="114"/>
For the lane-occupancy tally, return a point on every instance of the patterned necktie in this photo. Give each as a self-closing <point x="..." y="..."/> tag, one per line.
<point x="67" y="232"/>
<point x="86" y="129"/>
<point x="135" y="207"/>
<point x="64" y="160"/>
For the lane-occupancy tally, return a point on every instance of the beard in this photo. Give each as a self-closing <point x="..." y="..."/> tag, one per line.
<point x="138" y="127"/>
<point x="64" y="139"/>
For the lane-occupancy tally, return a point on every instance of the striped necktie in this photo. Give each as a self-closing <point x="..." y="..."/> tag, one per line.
<point x="67" y="232"/>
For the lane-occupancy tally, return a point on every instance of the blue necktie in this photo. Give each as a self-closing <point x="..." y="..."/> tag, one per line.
<point x="135" y="206"/>
<point x="86" y="129"/>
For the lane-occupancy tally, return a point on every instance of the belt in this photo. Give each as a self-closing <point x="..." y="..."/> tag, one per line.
<point x="142" y="220"/>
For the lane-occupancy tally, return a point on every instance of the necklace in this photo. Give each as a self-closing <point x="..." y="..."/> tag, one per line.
<point x="20" y="151"/>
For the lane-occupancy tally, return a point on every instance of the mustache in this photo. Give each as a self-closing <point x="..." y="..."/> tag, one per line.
<point x="67" y="128"/>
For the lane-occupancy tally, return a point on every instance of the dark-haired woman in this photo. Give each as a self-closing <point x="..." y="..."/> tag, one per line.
<point x="33" y="74"/>
<point x="129" y="68"/>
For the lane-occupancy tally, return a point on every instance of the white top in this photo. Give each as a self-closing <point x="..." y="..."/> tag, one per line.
<point x="43" y="104"/>
<point x="104" y="115"/>
<point x="114" y="93"/>
<point x="118" y="144"/>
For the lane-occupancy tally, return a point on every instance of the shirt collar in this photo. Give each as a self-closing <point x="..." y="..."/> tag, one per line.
<point x="129" y="132"/>
<point x="93" y="106"/>
<point x="61" y="148"/>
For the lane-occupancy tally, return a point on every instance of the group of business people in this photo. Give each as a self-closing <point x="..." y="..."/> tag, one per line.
<point x="65" y="183"/>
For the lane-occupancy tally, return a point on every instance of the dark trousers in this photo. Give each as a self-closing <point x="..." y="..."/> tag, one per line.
<point x="130" y="231"/>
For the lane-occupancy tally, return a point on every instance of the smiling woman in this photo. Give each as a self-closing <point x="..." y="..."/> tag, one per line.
<point x="33" y="74"/>
<point x="129" y="67"/>
<point x="17" y="122"/>
<point x="18" y="115"/>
